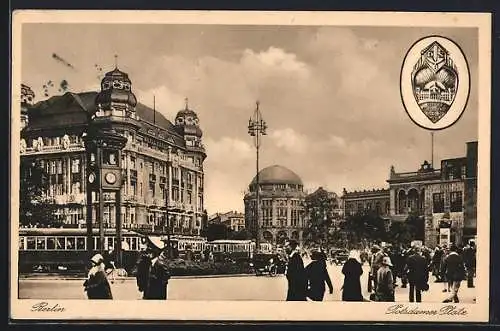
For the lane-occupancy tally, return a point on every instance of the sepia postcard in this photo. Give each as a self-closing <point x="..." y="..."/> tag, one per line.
<point x="250" y="166"/>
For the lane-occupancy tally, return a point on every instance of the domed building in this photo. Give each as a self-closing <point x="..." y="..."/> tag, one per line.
<point x="281" y="198"/>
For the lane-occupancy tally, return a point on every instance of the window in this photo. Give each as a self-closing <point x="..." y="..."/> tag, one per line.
<point x="59" y="167"/>
<point x="80" y="243"/>
<point x="132" y="162"/>
<point x="70" y="243"/>
<point x="152" y="188"/>
<point x="133" y="186"/>
<point x="51" y="243"/>
<point x="456" y="201"/>
<point x="40" y="243"/>
<point x="75" y="165"/>
<point x="30" y="243"/>
<point x="438" y="203"/>
<point x="189" y="198"/>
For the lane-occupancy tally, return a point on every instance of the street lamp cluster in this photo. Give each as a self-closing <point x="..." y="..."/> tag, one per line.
<point x="257" y="128"/>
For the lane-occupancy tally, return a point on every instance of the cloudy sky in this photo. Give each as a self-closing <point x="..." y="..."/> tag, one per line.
<point x="330" y="95"/>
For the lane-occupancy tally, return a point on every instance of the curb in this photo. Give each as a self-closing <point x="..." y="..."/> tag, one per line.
<point x="52" y="278"/>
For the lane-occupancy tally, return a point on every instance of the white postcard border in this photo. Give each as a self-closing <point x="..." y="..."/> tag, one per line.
<point x="251" y="311"/>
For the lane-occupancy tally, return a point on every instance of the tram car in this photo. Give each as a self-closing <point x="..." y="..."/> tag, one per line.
<point x="236" y="250"/>
<point x="184" y="247"/>
<point x="59" y="250"/>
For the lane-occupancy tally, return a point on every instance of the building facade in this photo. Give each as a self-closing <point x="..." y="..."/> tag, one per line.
<point x="232" y="220"/>
<point x="375" y="200"/>
<point x="281" y="205"/>
<point x="162" y="162"/>
<point x="445" y="198"/>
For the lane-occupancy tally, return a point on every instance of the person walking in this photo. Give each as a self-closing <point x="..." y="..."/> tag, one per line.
<point x="352" y="270"/>
<point x="418" y="274"/>
<point x="317" y="275"/>
<point x="143" y="268"/>
<point x="436" y="263"/>
<point x="469" y="256"/>
<point x="96" y="285"/>
<point x="376" y="262"/>
<point x="159" y="276"/>
<point x="455" y="272"/>
<point x="446" y="282"/>
<point x="295" y="274"/>
<point x="385" y="281"/>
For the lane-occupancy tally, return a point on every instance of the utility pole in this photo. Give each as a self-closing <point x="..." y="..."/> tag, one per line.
<point x="257" y="128"/>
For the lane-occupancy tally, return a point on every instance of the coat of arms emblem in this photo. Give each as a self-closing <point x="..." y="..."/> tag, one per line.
<point x="435" y="82"/>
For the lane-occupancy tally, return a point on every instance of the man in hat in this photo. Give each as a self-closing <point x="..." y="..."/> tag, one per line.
<point x="295" y="273"/>
<point x="385" y="281"/>
<point x="418" y="274"/>
<point x="97" y="285"/>
<point x="469" y="256"/>
<point x="376" y="262"/>
<point x="153" y="273"/>
<point x="455" y="272"/>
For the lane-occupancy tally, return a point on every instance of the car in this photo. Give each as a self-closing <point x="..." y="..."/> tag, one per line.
<point x="271" y="264"/>
<point x="339" y="256"/>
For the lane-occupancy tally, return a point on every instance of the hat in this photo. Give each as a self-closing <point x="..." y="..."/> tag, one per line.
<point x="97" y="258"/>
<point x="387" y="261"/>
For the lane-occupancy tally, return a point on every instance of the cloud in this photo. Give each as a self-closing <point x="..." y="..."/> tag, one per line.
<point x="330" y="95"/>
<point x="162" y="98"/>
<point x="275" y="59"/>
<point x="291" y="141"/>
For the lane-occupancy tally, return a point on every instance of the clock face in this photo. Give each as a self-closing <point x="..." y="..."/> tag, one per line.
<point x="110" y="178"/>
<point x="91" y="177"/>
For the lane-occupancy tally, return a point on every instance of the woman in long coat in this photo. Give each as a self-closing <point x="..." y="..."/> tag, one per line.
<point x="97" y="285"/>
<point x="352" y="270"/>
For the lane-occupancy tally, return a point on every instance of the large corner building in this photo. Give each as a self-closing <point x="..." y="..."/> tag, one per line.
<point x="162" y="162"/>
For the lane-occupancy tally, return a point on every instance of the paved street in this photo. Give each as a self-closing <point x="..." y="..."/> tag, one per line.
<point x="218" y="288"/>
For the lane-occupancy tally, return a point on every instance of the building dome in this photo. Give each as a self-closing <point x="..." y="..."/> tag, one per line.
<point x="116" y="87"/>
<point x="277" y="174"/>
<point x="187" y="122"/>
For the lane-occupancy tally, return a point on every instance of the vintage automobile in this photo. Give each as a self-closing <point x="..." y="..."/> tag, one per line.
<point x="268" y="264"/>
<point x="339" y="256"/>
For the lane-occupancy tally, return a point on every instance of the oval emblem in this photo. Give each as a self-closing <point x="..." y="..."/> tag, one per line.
<point x="435" y="82"/>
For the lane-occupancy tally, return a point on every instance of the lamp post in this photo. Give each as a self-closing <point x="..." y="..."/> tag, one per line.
<point x="257" y="128"/>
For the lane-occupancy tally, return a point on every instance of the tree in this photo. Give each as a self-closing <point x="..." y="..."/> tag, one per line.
<point x="34" y="208"/>
<point x="366" y="226"/>
<point x="216" y="231"/>
<point x="320" y="213"/>
<point x="243" y="234"/>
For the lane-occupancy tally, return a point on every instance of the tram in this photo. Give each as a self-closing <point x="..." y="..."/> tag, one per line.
<point x="236" y="249"/>
<point x="65" y="250"/>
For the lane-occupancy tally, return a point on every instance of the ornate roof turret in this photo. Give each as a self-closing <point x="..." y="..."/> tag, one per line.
<point x="116" y="90"/>
<point x="187" y="122"/>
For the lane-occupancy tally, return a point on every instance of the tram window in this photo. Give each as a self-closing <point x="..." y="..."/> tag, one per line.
<point x="110" y="243"/>
<point x="30" y="243"/>
<point x="21" y="243"/>
<point x="80" y="243"/>
<point x="133" y="245"/>
<point x="51" y="243"/>
<point x="59" y="243"/>
<point x="97" y="242"/>
<point x="70" y="243"/>
<point x="40" y="243"/>
<point x="129" y="242"/>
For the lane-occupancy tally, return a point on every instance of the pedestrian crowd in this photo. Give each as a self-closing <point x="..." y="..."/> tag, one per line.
<point x="412" y="266"/>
